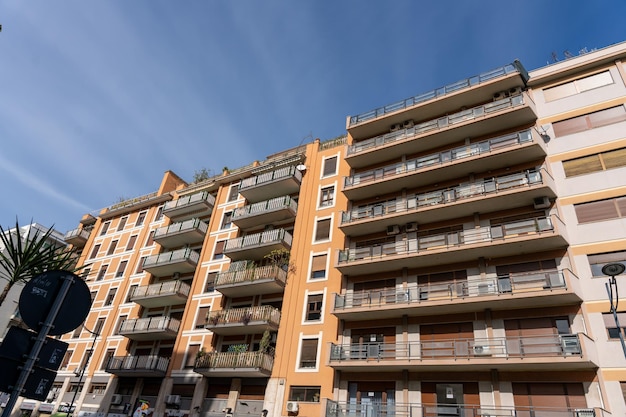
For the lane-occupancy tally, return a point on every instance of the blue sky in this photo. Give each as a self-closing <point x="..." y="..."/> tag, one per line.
<point x="99" y="98"/>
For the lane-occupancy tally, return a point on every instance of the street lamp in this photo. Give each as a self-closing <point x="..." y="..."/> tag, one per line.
<point x="82" y="370"/>
<point x="612" y="270"/>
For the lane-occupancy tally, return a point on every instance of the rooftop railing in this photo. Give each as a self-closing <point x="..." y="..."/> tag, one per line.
<point x="436" y="93"/>
<point x="438" y="124"/>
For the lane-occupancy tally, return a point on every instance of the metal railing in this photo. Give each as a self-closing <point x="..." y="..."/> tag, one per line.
<point x="79" y="232"/>
<point x="497" y="347"/>
<point x="250" y="275"/>
<point x="441" y="158"/>
<point x="441" y="123"/>
<point x="257" y="359"/>
<point x="265" y="206"/>
<point x="436" y="93"/>
<point x="139" y="363"/>
<point x="415" y="202"/>
<point x="258" y="239"/>
<point x="178" y="227"/>
<point x="267" y="177"/>
<point x="148" y="324"/>
<point x="510" y="284"/>
<point x="172" y="257"/>
<point x="485" y="234"/>
<point x="162" y="288"/>
<point x="189" y="200"/>
<point x="393" y="409"/>
<point x="244" y="316"/>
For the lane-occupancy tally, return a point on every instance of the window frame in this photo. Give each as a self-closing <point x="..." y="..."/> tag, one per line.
<point x="324" y="173"/>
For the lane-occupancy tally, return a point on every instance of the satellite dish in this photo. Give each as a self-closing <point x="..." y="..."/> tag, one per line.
<point x="301" y="167"/>
<point x="613" y="269"/>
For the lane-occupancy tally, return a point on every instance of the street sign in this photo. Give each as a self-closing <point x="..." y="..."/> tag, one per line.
<point x="18" y="342"/>
<point x="40" y="293"/>
<point x="37" y="385"/>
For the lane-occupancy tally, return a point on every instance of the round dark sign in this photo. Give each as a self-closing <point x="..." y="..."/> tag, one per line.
<point x="40" y="293"/>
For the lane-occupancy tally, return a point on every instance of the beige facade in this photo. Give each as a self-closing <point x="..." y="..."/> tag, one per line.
<point x="444" y="260"/>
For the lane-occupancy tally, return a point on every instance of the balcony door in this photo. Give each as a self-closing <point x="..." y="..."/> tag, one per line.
<point x="449" y="399"/>
<point x="373" y="344"/>
<point x="446" y="339"/>
<point x="372" y="398"/>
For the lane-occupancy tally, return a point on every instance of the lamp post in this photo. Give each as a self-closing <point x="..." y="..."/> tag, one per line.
<point x="612" y="270"/>
<point x="82" y="371"/>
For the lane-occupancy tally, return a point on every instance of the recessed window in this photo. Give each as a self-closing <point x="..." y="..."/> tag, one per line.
<point x="318" y="266"/>
<point x="140" y="219"/>
<point x="159" y="214"/>
<point x="611" y="328"/>
<point x="131" y="242"/>
<point x="227" y="220"/>
<point x="233" y="193"/>
<point x="110" y="353"/>
<point x="94" y="252"/>
<point x="110" y="297"/>
<point x="192" y="355"/>
<point x="140" y="264"/>
<point x="210" y="282"/>
<point x="330" y="166"/>
<point x="589" y="121"/>
<point x="150" y="240"/>
<point x="305" y="394"/>
<point x="612" y="208"/>
<point x="102" y="272"/>
<point x="327" y="196"/>
<point x="99" y="325"/>
<point x="597" y="162"/>
<point x="202" y="315"/>
<point x="308" y="353"/>
<point x="120" y="323"/>
<point x="105" y="228"/>
<point x="314" y="307"/>
<point x="219" y="249"/>
<point x="122" y="223"/>
<point x="131" y="292"/>
<point x="597" y="261"/>
<point x="120" y="269"/>
<point x="322" y="230"/>
<point x="112" y="247"/>
<point x="578" y="86"/>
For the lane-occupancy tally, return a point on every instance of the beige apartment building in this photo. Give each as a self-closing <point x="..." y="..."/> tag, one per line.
<point x="442" y="259"/>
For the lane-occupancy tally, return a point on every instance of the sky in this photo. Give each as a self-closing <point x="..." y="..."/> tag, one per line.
<point x="99" y="98"/>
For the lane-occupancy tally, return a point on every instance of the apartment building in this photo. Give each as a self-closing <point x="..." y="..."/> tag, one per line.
<point x="442" y="259"/>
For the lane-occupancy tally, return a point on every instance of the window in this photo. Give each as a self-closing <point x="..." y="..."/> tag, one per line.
<point x="192" y="355"/>
<point x="105" y="228"/>
<point x="322" y="230"/>
<point x="140" y="219"/>
<point x="122" y="223"/>
<point x="219" y="249"/>
<point x="110" y="297"/>
<point x="110" y="353"/>
<point x="77" y="332"/>
<point x="227" y="220"/>
<point x="99" y="325"/>
<point x="308" y="353"/>
<point x="150" y="240"/>
<point x="94" y="252"/>
<point x="594" y="163"/>
<point x="75" y="387"/>
<point x="131" y="242"/>
<point x="210" y="282"/>
<point x="612" y="208"/>
<point x="609" y="322"/>
<point x="102" y="272"/>
<point x="97" y="389"/>
<point x="112" y="247"/>
<point x="84" y="274"/>
<point x="318" y="266"/>
<point x="66" y="359"/>
<point x="159" y="214"/>
<point x="330" y="166"/>
<point x="305" y="394"/>
<point x="85" y="361"/>
<point x="120" y="323"/>
<point x="327" y="196"/>
<point x="578" y="86"/>
<point x="140" y="265"/>
<point x="93" y="294"/>
<point x="233" y="193"/>
<point x="131" y="292"/>
<point x="597" y="261"/>
<point x="201" y="318"/>
<point x="120" y="269"/>
<point x="314" y="307"/>
<point x="589" y="121"/>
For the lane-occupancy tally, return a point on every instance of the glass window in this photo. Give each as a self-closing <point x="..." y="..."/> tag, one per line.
<point x="318" y="266"/>
<point x="159" y="214"/>
<point x="210" y="282"/>
<point x="120" y="269"/>
<point x="192" y="354"/>
<point x="596" y="162"/>
<point x="105" y="228"/>
<point x="611" y="327"/>
<point x="150" y="240"/>
<point x="227" y="220"/>
<point x="202" y="315"/>
<point x="322" y="230"/>
<point x="233" y="193"/>
<point x="330" y="166"/>
<point x="219" y="249"/>
<point x="612" y="208"/>
<point x="131" y="242"/>
<point x="110" y="297"/>
<point x="107" y="358"/>
<point x="597" y="261"/>
<point x="308" y="353"/>
<point x="112" y="247"/>
<point x="589" y="121"/>
<point x="327" y="196"/>
<point x="140" y="265"/>
<point x="94" y="252"/>
<point x="99" y="325"/>
<point x="131" y="292"/>
<point x="578" y="86"/>
<point x="140" y="219"/>
<point x="102" y="272"/>
<point x="122" y="223"/>
<point x="314" y="307"/>
<point x="305" y="394"/>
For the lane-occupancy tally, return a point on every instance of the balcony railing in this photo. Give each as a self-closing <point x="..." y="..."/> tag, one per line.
<point x="498" y="347"/>
<point x="438" y="124"/>
<point x="436" y="93"/>
<point x="377" y="409"/>
<point x="202" y="202"/>
<point x="77" y="237"/>
<point x="259" y="239"/>
<point x="415" y="202"/>
<point x="142" y="328"/>
<point x="138" y="365"/>
<point x="234" y="363"/>
<point x="268" y="177"/>
<point x="181" y="227"/>
<point x="248" y="320"/>
<point x="170" y="291"/>
<point x="251" y="275"/>
<point x="512" y="284"/>
<point x="440" y="158"/>
<point x="274" y="204"/>
<point x="447" y="240"/>
<point x="181" y="260"/>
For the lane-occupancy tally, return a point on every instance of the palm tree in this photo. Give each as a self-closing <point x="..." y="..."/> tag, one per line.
<point x="22" y="258"/>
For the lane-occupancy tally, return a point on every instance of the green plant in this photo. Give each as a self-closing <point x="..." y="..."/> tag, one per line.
<point x="281" y="259"/>
<point x="201" y="175"/>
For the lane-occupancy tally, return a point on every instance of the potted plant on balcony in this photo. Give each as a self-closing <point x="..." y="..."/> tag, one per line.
<point x="246" y="317"/>
<point x="264" y="344"/>
<point x="280" y="258"/>
<point x="214" y="319"/>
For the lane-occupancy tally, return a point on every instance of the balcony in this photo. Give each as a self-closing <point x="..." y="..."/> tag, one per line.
<point x="150" y="328"/>
<point x="487" y="194"/>
<point x="272" y="211"/>
<point x="168" y="263"/>
<point x="190" y="206"/>
<point x="535" y="234"/>
<point x="257" y="245"/>
<point x="138" y="366"/>
<point x="549" y="352"/>
<point x="283" y="181"/>
<point x="490" y="118"/>
<point x="77" y="237"/>
<point x="235" y="364"/>
<point x="473" y="89"/>
<point x="161" y="294"/>
<point x="378" y="409"/>
<point x="241" y="321"/>
<point x="453" y="163"/>
<point x="520" y="290"/>
<point x="188" y="232"/>
<point x="268" y="279"/>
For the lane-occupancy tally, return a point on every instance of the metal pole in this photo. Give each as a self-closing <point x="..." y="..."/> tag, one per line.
<point x="27" y="369"/>
<point x="609" y="289"/>
<point x="82" y="371"/>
